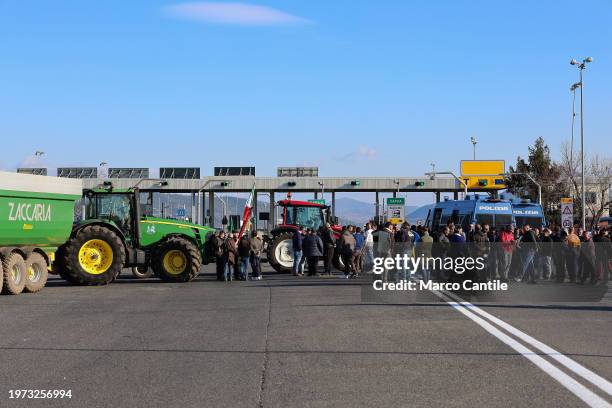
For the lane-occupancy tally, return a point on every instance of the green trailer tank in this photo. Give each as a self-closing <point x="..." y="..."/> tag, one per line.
<point x="36" y="217"/>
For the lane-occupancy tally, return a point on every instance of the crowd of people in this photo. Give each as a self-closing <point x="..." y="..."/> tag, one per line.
<point x="235" y="256"/>
<point x="520" y="254"/>
<point x="523" y="254"/>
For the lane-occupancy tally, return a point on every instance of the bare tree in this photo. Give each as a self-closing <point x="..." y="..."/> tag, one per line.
<point x="598" y="177"/>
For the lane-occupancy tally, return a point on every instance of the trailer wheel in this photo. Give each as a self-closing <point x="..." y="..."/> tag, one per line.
<point x="14" y="272"/>
<point x="36" y="273"/>
<point x="280" y="252"/>
<point x="177" y="260"/>
<point x="94" y="256"/>
<point x="142" y="272"/>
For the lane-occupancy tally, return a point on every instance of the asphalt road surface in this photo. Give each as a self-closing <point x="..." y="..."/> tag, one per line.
<point x="289" y="342"/>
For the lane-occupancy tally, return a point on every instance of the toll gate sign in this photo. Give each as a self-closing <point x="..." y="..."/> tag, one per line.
<point x="567" y="212"/>
<point x="396" y="207"/>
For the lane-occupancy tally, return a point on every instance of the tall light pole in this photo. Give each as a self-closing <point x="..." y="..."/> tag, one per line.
<point x="581" y="66"/>
<point x="474" y="142"/>
<point x="573" y="90"/>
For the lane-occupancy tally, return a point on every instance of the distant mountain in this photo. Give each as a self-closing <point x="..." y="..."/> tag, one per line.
<point x="419" y="214"/>
<point x="348" y="210"/>
<point x="360" y="212"/>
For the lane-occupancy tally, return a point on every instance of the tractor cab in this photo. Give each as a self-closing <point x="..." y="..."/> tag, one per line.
<point x="294" y="213"/>
<point x="119" y="208"/>
<point x="304" y="213"/>
<point x="308" y="214"/>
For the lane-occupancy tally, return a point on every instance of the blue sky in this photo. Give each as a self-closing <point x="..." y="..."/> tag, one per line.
<point x="355" y="87"/>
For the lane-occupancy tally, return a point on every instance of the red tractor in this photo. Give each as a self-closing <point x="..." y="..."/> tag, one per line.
<point x="308" y="215"/>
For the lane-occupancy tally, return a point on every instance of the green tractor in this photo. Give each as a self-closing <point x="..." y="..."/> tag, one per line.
<point x="117" y="233"/>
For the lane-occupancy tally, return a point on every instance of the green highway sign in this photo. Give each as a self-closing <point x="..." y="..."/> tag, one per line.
<point x="396" y="201"/>
<point x="396" y="210"/>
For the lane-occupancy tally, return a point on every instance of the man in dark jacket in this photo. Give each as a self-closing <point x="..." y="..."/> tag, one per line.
<point x="529" y="244"/>
<point x="440" y="250"/>
<point x="481" y="246"/>
<point x="329" y="244"/>
<point x="220" y="256"/>
<point x="559" y="249"/>
<point x="297" y="251"/>
<point x="312" y="247"/>
<point x="244" y="255"/>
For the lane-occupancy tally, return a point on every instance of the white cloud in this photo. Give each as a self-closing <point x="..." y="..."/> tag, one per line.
<point x="233" y="13"/>
<point x="360" y="153"/>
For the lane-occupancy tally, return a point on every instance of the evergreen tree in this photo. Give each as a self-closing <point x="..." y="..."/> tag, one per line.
<point x="546" y="172"/>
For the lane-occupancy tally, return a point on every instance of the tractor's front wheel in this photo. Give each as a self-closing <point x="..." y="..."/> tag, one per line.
<point x="280" y="252"/>
<point x="94" y="256"/>
<point x="177" y="260"/>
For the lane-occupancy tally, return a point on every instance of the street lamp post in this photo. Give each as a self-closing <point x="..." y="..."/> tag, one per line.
<point x="581" y="66"/>
<point x="474" y="142"/>
<point x="573" y="90"/>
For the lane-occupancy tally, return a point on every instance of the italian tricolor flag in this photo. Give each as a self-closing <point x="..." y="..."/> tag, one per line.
<point x="247" y="215"/>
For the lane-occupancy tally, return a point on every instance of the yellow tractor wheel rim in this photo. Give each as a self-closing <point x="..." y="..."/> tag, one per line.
<point x="95" y="256"/>
<point x="175" y="262"/>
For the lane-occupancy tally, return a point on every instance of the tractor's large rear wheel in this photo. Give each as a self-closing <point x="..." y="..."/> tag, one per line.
<point x="94" y="256"/>
<point x="280" y="252"/>
<point x="177" y="260"/>
<point x="338" y="262"/>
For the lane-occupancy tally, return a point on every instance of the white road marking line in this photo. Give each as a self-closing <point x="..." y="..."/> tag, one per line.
<point x="582" y="392"/>
<point x="572" y="365"/>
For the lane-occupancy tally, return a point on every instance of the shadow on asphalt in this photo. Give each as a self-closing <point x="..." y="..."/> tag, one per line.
<point x="287" y="281"/>
<point x="234" y="351"/>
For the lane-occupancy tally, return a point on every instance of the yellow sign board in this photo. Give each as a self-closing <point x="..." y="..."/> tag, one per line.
<point x="567" y="200"/>
<point x="483" y="174"/>
<point x="482" y="167"/>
